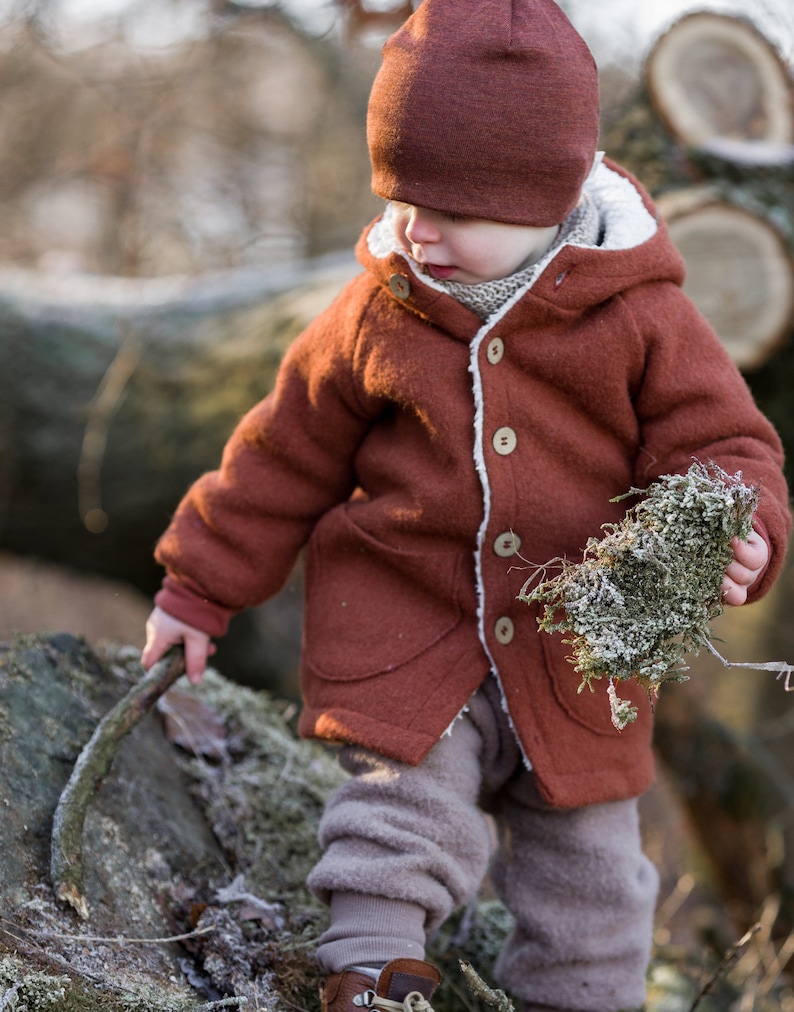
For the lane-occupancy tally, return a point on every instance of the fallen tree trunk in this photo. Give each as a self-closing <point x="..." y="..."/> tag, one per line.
<point x="714" y="114"/>
<point x="116" y="393"/>
<point x="196" y="847"/>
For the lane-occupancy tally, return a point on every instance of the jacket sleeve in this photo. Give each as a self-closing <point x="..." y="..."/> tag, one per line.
<point x="693" y="402"/>
<point x="235" y="536"/>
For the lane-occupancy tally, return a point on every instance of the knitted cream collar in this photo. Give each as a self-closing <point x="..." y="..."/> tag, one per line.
<point x="582" y="227"/>
<point x="611" y="199"/>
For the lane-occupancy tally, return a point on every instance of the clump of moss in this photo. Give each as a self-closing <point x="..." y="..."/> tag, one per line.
<point x="645" y="594"/>
<point x="23" y="989"/>
<point x="265" y="805"/>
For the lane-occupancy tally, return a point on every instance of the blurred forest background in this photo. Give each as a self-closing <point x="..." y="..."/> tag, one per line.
<point x="181" y="185"/>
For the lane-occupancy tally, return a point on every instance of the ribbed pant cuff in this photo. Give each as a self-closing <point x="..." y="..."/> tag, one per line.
<point x="370" y="930"/>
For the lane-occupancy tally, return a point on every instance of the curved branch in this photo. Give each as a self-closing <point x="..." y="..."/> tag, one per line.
<point x="92" y="765"/>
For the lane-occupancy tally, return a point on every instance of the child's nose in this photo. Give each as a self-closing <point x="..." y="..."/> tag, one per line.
<point x="421" y="228"/>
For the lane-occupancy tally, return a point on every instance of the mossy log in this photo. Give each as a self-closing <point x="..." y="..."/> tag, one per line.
<point x="145" y="836"/>
<point x="116" y="393"/>
<point x="196" y="846"/>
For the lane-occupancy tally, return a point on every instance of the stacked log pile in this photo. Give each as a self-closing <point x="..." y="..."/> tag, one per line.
<point x="710" y="129"/>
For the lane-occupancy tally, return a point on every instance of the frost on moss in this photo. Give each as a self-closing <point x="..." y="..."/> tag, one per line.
<point x="646" y="593"/>
<point x="21" y="989"/>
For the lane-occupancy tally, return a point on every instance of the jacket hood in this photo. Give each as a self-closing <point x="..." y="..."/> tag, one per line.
<point x="634" y="248"/>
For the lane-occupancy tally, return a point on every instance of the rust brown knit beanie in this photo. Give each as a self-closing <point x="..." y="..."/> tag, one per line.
<point x="485" y="108"/>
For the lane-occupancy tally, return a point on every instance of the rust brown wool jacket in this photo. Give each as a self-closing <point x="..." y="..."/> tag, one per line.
<point x="403" y="443"/>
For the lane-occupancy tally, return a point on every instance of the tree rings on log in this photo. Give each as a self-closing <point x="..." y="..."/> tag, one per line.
<point x="740" y="273"/>
<point x="711" y="75"/>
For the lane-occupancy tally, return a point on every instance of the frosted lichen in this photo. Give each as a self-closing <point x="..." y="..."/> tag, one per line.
<point x="645" y="594"/>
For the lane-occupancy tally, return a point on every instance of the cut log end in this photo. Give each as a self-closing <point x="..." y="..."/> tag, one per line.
<point x="712" y="75"/>
<point x="739" y="273"/>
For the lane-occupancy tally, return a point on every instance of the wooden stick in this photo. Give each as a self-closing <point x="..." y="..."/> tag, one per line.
<point x="725" y="964"/>
<point x="92" y="765"/>
<point x="496" y="999"/>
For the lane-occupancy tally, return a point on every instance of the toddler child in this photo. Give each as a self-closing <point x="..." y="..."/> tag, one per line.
<point x="516" y="351"/>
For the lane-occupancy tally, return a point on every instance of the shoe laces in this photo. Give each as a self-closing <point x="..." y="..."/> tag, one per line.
<point x="414" y="1001"/>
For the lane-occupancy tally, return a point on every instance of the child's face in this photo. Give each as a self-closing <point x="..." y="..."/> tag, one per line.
<point x="468" y="250"/>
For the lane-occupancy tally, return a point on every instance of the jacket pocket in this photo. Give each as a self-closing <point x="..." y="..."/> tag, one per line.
<point x="370" y="607"/>
<point x="589" y="708"/>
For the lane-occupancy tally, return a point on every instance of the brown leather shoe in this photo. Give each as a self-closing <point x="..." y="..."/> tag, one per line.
<point x="403" y="985"/>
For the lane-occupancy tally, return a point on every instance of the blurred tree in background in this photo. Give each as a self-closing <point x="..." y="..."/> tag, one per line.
<point x="178" y="137"/>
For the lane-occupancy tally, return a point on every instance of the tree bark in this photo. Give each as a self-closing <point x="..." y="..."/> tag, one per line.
<point x="196" y="847"/>
<point x="144" y="834"/>
<point x="116" y="393"/>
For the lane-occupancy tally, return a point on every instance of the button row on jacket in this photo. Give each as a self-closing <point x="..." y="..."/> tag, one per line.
<point x="504" y="630"/>
<point x="507" y="544"/>
<point x="504" y="440"/>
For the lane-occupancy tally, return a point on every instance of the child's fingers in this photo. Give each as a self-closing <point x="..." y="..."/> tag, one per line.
<point x="160" y="635"/>
<point x="749" y="559"/>
<point x="150" y="655"/>
<point x="752" y="554"/>
<point x="197" y="649"/>
<point x="154" y="648"/>
<point x="164" y="631"/>
<point x="734" y="594"/>
<point x="740" y="574"/>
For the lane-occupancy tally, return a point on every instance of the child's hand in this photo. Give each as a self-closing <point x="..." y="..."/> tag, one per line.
<point x="749" y="559"/>
<point x="164" y="631"/>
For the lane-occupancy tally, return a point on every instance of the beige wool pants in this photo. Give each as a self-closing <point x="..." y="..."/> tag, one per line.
<point x="405" y="846"/>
